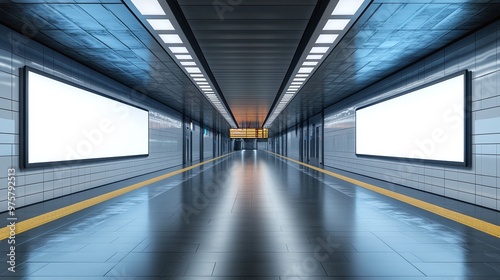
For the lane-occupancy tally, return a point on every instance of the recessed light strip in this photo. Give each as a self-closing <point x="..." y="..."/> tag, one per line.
<point x="338" y="17"/>
<point x="159" y="19"/>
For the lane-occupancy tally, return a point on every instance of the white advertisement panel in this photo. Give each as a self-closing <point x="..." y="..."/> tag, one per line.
<point x="426" y="124"/>
<point x="65" y="123"/>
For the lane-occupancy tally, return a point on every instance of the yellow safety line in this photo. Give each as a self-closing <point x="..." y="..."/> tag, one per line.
<point x="472" y="222"/>
<point x="65" y="211"/>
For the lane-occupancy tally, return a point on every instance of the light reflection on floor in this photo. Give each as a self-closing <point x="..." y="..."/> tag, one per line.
<point x="255" y="215"/>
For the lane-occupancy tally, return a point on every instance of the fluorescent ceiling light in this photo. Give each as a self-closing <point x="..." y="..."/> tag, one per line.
<point x="149" y="7"/>
<point x="193" y="69"/>
<point x="205" y="87"/>
<point x="161" y="24"/>
<point x="299" y="79"/>
<point x="297" y="83"/>
<point x="188" y="63"/>
<point x="171" y="38"/>
<point x="306" y="69"/>
<point x="183" y="56"/>
<point x="336" y="24"/>
<point x="326" y="38"/>
<point x="293" y="87"/>
<point x="178" y="50"/>
<point x="314" y="56"/>
<point x="200" y="79"/>
<point x="196" y="75"/>
<point x="347" y="7"/>
<point x="202" y="83"/>
<point x="302" y="75"/>
<point x="310" y="63"/>
<point x="319" y="49"/>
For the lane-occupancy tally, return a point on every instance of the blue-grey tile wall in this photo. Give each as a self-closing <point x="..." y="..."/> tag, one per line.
<point x="196" y="145"/>
<point x="293" y="143"/>
<point x="35" y="185"/>
<point x="208" y="144"/>
<point x="480" y="182"/>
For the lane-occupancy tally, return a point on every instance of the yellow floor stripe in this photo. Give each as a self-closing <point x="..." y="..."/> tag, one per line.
<point x="472" y="222"/>
<point x="65" y="211"/>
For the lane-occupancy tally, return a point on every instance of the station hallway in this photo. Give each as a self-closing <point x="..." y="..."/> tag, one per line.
<point x="250" y="139"/>
<point x="254" y="214"/>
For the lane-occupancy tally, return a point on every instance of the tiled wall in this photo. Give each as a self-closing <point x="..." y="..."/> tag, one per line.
<point x="293" y="138"/>
<point x="262" y="144"/>
<point x="196" y="143"/>
<point x="37" y="185"/>
<point x="208" y="144"/>
<point x="480" y="182"/>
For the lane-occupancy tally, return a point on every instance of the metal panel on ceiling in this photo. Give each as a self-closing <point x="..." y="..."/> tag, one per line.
<point x="249" y="48"/>
<point x="388" y="37"/>
<point x="107" y="37"/>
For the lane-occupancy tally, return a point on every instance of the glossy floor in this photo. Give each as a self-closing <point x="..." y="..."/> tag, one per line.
<point x="253" y="215"/>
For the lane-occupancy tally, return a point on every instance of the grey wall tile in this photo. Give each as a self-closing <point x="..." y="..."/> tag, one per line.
<point x="467" y="197"/>
<point x="490" y="181"/>
<point x="490" y="192"/>
<point x="486" y="202"/>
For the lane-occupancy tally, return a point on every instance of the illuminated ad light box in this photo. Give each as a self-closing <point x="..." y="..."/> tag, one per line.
<point x="428" y="123"/>
<point x="254" y="133"/>
<point x="64" y="122"/>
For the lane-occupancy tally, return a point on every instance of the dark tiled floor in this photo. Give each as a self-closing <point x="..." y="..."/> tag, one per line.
<point x="255" y="216"/>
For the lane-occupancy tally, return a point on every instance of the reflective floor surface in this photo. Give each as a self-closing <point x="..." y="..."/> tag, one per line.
<point x="253" y="216"/>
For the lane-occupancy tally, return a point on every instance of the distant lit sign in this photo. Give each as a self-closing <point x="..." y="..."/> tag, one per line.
<point x="248" y="133"/>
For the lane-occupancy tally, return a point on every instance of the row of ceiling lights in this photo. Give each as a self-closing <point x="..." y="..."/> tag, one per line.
<point x="324" y="42"/>
<point x="161" y="21"/>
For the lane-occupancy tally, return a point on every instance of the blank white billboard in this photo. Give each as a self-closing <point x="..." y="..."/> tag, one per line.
<point x="66" y="123"/>
<point x="425" y="124"/>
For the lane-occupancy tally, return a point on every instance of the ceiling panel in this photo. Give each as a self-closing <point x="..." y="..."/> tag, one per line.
<point x="106" y="36"/>
<point x="249" y="48"/>
<point x="388" y="37"/>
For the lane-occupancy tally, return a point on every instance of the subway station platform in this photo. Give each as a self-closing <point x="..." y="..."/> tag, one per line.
<point x="254" y="215"/>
